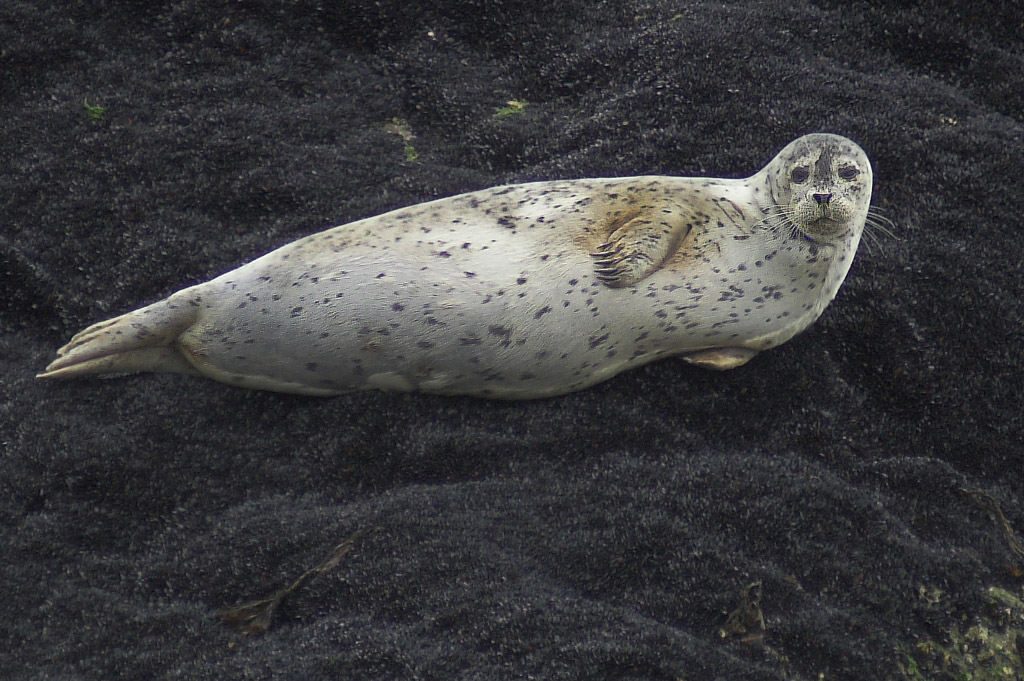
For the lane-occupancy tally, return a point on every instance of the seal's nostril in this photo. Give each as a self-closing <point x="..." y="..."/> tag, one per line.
<point x="822" y="199"/>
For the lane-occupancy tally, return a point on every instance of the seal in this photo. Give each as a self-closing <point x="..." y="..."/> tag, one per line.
<point x="519" y="291"/>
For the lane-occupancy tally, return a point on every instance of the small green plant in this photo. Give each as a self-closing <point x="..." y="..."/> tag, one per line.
<point x="93" y="111"/>
<point x="399" y="127"/>
<point x="512" y="107"/>
<point x="911" y="670"/>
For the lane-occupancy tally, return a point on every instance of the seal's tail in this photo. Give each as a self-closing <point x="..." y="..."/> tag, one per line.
<point x="142" y="340"/>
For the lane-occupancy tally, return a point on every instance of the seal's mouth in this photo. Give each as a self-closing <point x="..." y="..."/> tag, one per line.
<point x="822" y="228"/>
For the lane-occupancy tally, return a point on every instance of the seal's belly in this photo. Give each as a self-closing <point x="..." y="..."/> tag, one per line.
<point x="441" y="330"/>
<point x="527" y="319"/>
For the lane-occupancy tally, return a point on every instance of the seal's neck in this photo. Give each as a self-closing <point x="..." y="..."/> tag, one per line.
<point x="765" y="193"/>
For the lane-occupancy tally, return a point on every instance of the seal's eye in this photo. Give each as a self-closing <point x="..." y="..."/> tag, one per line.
<point x="848" y="172"/>
<point x="799" y="174"/>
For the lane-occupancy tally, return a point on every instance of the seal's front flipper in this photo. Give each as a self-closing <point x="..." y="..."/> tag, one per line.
<point x="142" y="340"/>
<point x="721" y="358"/>
<point x="637" y="248"/>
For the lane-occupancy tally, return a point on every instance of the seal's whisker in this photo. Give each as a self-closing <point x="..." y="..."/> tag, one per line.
<point x="873" y="241"/>
<point x="879" y="223"/>
<point x="785" y="224"/>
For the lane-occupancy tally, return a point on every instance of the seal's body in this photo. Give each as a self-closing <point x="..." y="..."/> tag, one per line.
<point x="520" y="291"/>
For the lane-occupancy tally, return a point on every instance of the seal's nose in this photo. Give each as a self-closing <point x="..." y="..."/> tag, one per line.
<point x="822" y="199"/>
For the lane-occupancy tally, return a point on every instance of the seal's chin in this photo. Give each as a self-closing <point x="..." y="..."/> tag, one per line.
<point x="822" y="228"/>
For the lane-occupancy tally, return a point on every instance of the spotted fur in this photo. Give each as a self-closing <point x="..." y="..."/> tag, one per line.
<point x="519" y="291"/>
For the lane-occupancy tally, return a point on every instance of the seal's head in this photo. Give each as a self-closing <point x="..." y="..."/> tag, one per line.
<point x="820" y="187"/>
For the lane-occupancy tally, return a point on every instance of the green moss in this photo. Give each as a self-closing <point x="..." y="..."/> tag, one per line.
<point x="512" y="107"/>
<point x="93" y="111"/>
<point x="398" y="126"/>
<point x="911" y="670"/>
<point x="986" y="648"/>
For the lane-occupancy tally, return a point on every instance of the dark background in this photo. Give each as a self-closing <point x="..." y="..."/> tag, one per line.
<point x="601" y="535"/>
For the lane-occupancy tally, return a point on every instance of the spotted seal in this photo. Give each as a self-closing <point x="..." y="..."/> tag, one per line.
<point x="519" y="291"/>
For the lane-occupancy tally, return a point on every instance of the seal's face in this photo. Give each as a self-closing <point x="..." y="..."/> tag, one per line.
<point x="821" y="185"/>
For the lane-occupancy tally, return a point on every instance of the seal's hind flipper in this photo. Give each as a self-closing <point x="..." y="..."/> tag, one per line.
<point x="142" y="340"/>
<point x="721" y="359"/>
<point x="636" y="249"/>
